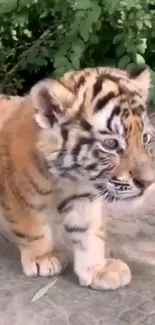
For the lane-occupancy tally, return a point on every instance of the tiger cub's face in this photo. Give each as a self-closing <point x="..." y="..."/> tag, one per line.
<point x="93" y="125"/>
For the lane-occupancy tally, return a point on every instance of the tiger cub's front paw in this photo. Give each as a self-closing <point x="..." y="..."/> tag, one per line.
<point x="46" y="265"/>
<point x="110" y="276"/>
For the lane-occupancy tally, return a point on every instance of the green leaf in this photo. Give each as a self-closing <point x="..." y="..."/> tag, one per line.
<point x="148" y="23"/>
<point x="75" y="60"/>
<point x="76" y="53"/>
<point x="80" y="14"/>
<point x="60" y="61"/>
<point x="94" y="39"/>
<point x="27" y="32"/>
<point x="124" y="61"/>
<point x="95" y="12"/>
<point x="84" y="31"/>
<point x="78" y="48"/>
<point x="132" y="16"/>
<point x="112" y="5"/>
<point x="44" y="51"/>
<point x="129" y="4"/>
<point x="83" y="4"/>
<point x="7" y="6"/>
<point x="39" y="61"/>
<point x="60" y="71"/>
<point x="86" y="24"/>
<point x="141" y="47"/>
<point x="131" y="65"/>
<point x="120" y="50"/>
<point x="139" y="24"/>
<point x="43" y="291"/>
<point x="118" y="38"/>
<point x="139" y="14"/>
<point x="140" y="59"/>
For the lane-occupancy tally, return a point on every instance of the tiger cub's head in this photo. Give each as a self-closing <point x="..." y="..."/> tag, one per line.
<point x="93" y="125"/>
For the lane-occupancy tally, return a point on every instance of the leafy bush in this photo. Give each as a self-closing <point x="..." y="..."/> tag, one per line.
<point x="44" y="37"/>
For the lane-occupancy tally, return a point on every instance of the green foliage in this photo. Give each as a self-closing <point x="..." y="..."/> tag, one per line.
<point x="40" y="38"/>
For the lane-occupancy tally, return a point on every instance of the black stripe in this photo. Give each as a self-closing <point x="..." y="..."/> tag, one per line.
<point x="81" y="106"/>
<point x="91" y="166"/>
<point x="87" y="72"/>
<point x="64" y="85"/>
<point x="100" y="236"/>
<point x="138" y="110"/>
<point x="85" y="125"/>
<point x="72" y="229"/>
<point x="70" y="168"/>
<point x="135" y="72"/>
<point x="93" y="178"/>
<point x="82" y="141"/>
<point x="37" y="188"/>
<point x="116" y="111"/>
<point x="49" y="106"/>
<point x="80" y="82"/>
<point x="15" y="190"/>
<point x="60" y="160"/>
<point x="64" y="134"/>
<point x="67" y="175"/>
<point x="38" y="268"/>
<point x="20" y="198"/>
<point x="104" y="101"/>
<point x="28" y="237"/>
<point x="73" y="81"/>
<point x="60" y="157"/>
<point x="97" y="87"/>
<point x="96" y="153"/>
<point x="104" y="132"/>
<point x="101" y="233"/>
<point x="126" y="113"/>
<point x="102" y="191"/>
<point x="139" y="125"/>
<point x="71" y="198"/>
<point x="75" y="152"/>
<point x="78" y="243"/>
<point x="99" y="83"/>
<point x="41" y="164"/>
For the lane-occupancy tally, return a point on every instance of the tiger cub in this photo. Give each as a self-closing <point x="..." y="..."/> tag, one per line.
<point x="71" y="145"/>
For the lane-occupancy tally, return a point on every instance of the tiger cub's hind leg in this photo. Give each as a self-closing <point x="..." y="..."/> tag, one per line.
<point x="35" y="241"/>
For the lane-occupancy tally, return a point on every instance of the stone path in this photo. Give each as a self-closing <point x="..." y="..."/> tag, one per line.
<point x="69" y="304"/>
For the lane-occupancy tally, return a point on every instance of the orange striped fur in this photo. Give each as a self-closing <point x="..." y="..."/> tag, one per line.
<point x="72" y="144"/>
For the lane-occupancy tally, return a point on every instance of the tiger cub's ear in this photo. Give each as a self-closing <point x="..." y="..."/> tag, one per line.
<point x="143" y="78"/>
<point x="49" y="98"/>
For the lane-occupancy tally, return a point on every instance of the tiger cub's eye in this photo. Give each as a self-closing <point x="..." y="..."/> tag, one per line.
<point x="110" y="144"/>
<point x="146" y="137"/>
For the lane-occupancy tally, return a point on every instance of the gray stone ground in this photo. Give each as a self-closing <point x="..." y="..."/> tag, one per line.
<point x="131" y="236"/>
<point x="67" y="303"/>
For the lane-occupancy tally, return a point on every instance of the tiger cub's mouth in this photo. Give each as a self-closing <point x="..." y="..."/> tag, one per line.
<point x="123" y="190"/>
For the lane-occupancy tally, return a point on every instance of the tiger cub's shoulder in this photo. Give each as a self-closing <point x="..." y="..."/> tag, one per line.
<point x="9" y="105"/>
